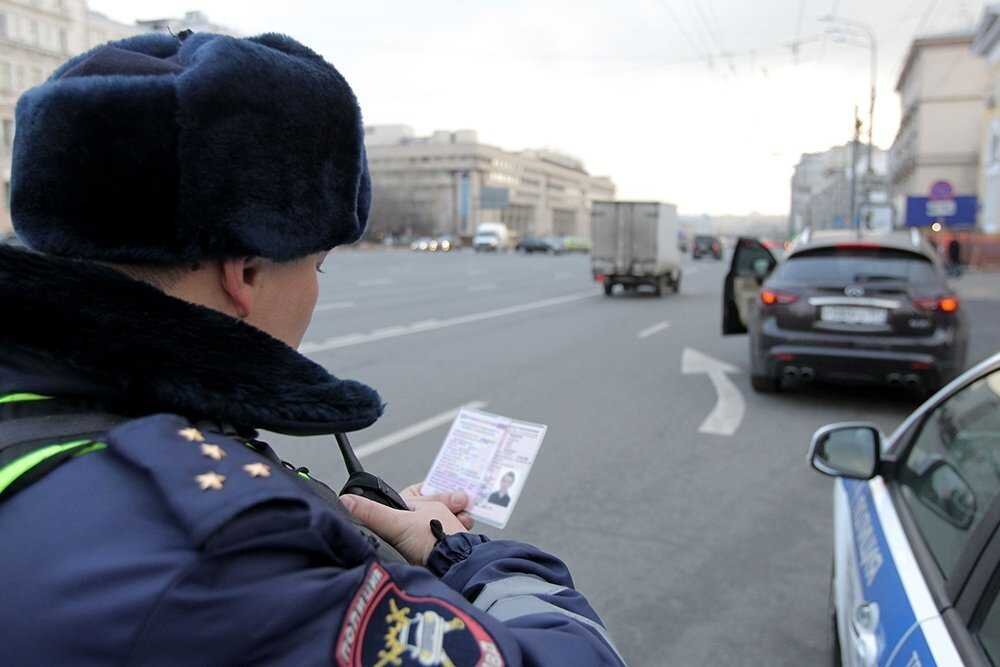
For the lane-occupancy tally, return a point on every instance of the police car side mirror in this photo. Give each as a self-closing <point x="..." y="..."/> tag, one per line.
<point x="846" y="450"/>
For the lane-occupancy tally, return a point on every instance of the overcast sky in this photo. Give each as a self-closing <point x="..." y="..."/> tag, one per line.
<point x="635" y="88"/>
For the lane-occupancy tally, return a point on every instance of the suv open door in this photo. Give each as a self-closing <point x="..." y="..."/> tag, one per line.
<point x="752" y="264"/>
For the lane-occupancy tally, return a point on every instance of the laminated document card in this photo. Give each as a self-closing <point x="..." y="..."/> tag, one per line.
<point x="489" y="457"/>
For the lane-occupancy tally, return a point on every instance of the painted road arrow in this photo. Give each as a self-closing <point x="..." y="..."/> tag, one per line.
<point x="730" y="407"/>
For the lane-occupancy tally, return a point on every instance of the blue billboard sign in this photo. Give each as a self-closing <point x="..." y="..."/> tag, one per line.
<point x="949" y="212"/>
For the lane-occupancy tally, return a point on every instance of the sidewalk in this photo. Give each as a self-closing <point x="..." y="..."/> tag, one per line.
<point x="978" y="285"/>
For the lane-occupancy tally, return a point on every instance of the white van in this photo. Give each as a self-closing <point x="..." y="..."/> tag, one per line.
<point x="491" y="236"/>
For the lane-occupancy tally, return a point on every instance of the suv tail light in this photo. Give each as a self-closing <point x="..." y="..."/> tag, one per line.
<point x="943" y="304"/>
<point x="770" y="297"/>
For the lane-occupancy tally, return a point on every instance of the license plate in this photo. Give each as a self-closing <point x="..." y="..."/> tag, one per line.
<point x="853" y="315"/>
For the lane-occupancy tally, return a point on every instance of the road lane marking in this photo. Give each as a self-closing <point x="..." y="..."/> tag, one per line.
<point x="337" y="342"/>
<point x="483" y="288"/>
<point x="656" y="328"/>
<point x="730" y="407"/>
<point x="338" y="305"/>
<point x="375" y="282"/>
<point x="402" y="435"/>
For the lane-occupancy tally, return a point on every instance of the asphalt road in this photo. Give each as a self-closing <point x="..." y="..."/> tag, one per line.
<point x="696" y="549"/>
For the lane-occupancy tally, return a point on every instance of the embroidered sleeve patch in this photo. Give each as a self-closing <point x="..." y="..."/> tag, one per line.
<point x="385" y="627"/>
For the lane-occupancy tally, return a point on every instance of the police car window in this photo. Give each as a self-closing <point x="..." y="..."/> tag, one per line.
<point x="989" y="633"/>
<point x="951" y="474"/>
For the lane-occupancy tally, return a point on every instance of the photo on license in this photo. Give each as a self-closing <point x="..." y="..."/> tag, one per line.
<point x="489" y="457"/>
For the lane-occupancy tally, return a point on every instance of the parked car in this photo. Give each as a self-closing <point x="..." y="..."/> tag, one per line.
<point x="576" y="244"/>
<point x="545" y="244"/>
<point x="916" y="528"/>
<point x="706" y="245"/>
<point x="873" y="309"/>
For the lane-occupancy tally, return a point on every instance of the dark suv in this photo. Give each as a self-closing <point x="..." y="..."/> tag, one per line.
<point x="706" y="245"/>
<point x="844" y="307"/>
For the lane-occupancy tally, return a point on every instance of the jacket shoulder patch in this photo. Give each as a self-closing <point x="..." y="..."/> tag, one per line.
<point x="205" y="478"/>
<point x="384" y="626"/>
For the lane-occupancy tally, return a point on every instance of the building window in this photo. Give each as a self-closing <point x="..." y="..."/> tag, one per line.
<point x="33" y="32"/>
<point x="63" y="41"/>
<point x="3" y="25"/>
<point x="6" y="78"/>
<point x="19" y="78"/>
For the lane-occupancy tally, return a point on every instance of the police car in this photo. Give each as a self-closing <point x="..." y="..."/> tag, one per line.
<point x="916" y="565"/>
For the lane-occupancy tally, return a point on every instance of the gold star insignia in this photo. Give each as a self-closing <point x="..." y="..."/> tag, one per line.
<point x="191" y="434"/>
<point x="258" y="469"/>
<point x="213" y="452"/>
<point x="210" y="480"/>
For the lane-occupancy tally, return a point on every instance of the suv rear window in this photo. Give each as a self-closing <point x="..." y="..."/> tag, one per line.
<point x="845" y="266"/>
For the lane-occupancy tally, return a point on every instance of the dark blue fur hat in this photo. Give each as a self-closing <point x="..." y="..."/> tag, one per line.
<point x="159" y="150"/>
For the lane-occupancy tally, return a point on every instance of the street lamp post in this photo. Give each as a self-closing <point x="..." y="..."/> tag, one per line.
<point x="861" y="29"/>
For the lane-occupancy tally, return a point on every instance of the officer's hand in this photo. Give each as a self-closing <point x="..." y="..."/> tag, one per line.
<point x="409" y="532"/>
<point x="456" y="502"/>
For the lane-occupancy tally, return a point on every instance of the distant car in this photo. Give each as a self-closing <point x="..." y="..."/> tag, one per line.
<point x="424" y="243"/>
<point x="706" y="245"/>
<point x="492" y="237"/>
<point x="486" y="242"/>
<point x="870" y="309"/>
<point x="576" y="244"/>
<point x="447" y="243"/>
<point x="544" y="244"/>
<point x="916" y="531"/>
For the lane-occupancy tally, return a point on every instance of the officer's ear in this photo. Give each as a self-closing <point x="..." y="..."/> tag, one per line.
<point x="240" y="279"/>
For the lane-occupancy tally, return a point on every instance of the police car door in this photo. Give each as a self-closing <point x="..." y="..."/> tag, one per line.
<point x="920" y="531"/>
<point x="751" y="264"/>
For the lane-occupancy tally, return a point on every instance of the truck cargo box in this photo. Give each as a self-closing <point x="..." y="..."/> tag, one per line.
<point x="634" y="244"/>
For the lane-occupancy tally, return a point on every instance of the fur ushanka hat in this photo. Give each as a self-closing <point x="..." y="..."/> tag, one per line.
<point x="162" y="150"/>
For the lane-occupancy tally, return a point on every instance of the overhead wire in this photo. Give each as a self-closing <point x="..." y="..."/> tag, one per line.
<point x="684" y="33"/>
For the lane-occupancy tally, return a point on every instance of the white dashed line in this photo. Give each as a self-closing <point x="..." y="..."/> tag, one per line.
<point x="656" y="328"/>
<point x="432" y="325"/>
<point x="402" y="435"/>
<point x="338" y="305"/>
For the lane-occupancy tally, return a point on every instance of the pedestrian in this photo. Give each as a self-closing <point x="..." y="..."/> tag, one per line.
<point x="178" y="195"/>
<point x="954" y="257"/>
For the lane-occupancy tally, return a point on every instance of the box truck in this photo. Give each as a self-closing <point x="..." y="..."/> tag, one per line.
<point x="635" y="244"/>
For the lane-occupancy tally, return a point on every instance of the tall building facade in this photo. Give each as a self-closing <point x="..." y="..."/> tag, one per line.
<point x="986" y="44"/>
<point x="36" y="36"/>
<point x="821" y="189"/>
<point x="942" y="87"/>
<point x="449" y="182"/>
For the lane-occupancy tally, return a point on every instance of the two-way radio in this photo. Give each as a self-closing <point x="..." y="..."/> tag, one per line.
<point x="365" y="484"/>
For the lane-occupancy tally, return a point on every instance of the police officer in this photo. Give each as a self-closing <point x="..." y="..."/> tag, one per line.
<point x="179" y="195"/>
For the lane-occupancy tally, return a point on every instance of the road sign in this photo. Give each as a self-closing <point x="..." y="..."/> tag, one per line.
<point x="942" y="206"/>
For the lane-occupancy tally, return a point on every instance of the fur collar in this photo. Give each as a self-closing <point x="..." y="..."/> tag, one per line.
<point x="128" y="342"/>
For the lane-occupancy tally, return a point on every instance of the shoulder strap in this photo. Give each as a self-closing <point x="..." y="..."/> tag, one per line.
<point x="22" y="436"/>
<point x="54" y="430"/>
